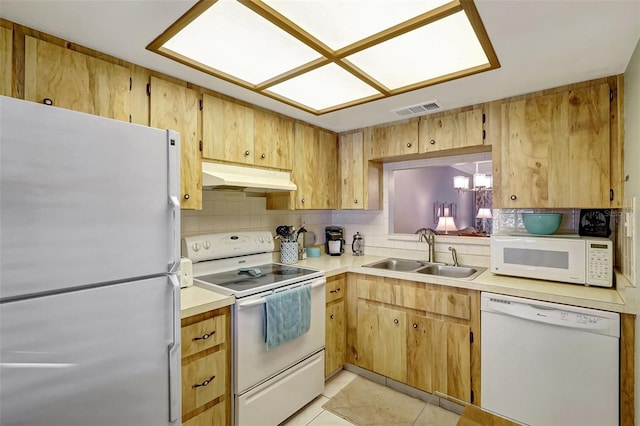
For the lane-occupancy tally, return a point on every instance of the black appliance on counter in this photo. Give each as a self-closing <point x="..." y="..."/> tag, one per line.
<point x="334" y="240"/>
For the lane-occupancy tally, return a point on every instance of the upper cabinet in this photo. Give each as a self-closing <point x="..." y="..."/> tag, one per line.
<point x="450" y="131"/>
<point x="392" y="140"/>
<point x="555" y="151"/>
<point x="240" y="134"/>
<point x="72" y="80"/>
<point x="176" y="107"/>
<point x="227" y="130"/>
<point x="315" y="172"/>
<point x="352" y="169"/>
<point x="273" y="140"/>
<point x="6" y="55"/>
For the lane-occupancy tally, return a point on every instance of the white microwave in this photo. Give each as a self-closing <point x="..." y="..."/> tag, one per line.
<point x="579" y="260"/>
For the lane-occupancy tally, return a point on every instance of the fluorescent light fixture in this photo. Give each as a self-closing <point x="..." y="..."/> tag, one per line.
<point x="325" y="55"/>
<point x="324" y="87"/>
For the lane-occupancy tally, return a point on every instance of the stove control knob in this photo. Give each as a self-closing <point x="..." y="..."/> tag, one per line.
<point x="261" y="240"/>
<point x="268" y="240"/>
<point x="206" y="245"/>
<point x="196" y="246"/>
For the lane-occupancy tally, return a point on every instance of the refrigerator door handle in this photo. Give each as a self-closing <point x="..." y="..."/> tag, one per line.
<point x="174" y="354"/>
<point x="173" y="191"/>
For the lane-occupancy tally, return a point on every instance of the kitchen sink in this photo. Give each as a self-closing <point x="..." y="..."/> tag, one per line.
<point x="402" y="265"/>
<point x="451" y="271"/>
<point x="426" y="268"/>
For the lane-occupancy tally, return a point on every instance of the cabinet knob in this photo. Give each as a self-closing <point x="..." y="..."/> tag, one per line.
<point x="432" y="142"/>
<point x="513" y="197"/>
<point x="263" y="156"/>
<point x="355" y="201"/>
<point x="408" y="144"/>
<point x="415" y="325"/>
<point x="205" y="383"/>
<point x="332" y="316"/>
<point x="47" y="101"/>
<point x="395" y="321"/>
<point x="302" y="201"/>
<point x="247" y="153"/>
<point x="204" y="336"/>
<point x="187" y="196"/>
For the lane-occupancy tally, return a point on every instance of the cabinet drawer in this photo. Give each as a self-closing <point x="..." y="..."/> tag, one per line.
<point x="203" y="335"/>
<point x="335" y="288"/>
<point x="213" y="416"/>
<point x="203" y="380"/>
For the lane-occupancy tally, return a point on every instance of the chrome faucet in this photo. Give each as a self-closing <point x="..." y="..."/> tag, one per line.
<point x="428" y="235"/>
<point x="454" y="254"/>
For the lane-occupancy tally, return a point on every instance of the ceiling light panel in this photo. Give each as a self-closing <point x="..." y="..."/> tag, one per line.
<point x="324" y="87"/>
<point x="236" y="41"/>
<point x="340" y="23"/>
<point x="438" y="49"/>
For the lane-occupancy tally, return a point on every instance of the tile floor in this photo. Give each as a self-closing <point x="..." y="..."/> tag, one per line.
<point x="314" y="415"/>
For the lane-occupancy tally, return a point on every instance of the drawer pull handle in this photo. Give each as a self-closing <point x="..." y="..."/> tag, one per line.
<point x="205" y="383"/>
<point x="204" y="336"/>
<point x="337" y="290"/>
<point x="332" y="316"/>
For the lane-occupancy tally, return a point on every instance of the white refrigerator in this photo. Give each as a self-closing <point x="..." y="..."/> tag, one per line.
<point x="89" y="255"/>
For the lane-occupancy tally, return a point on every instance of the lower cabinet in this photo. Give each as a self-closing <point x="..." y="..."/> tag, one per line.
<point x="206" y="392"/>
<point x="423" y="335"/>
<point x="335" y="325"/>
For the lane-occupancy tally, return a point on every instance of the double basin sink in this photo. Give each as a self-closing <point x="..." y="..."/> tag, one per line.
<point x="427" y="268"/>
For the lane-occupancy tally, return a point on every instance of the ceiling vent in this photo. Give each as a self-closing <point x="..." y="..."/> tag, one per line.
<point x="418" y="109"/>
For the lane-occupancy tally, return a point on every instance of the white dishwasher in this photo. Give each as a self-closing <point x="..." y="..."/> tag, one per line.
<point x="547" y="364"/>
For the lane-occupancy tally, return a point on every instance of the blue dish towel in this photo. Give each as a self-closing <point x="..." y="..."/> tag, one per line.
<point x="287" y="315"/>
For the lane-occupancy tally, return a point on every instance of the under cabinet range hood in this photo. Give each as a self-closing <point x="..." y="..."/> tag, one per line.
<point x="248" y="179"/>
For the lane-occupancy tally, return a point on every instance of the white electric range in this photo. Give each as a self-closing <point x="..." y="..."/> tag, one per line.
<point x="268" y="385"/>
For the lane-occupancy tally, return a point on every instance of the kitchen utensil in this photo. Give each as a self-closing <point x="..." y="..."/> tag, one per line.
<point x="357" y="246"/>
<point x="542" y="223"/>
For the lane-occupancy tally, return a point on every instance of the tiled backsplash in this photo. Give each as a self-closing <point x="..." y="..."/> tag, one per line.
<point x="510" y="220"/>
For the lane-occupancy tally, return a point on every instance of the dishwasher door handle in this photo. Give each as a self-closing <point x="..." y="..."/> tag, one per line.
<point x="549" y="316"/>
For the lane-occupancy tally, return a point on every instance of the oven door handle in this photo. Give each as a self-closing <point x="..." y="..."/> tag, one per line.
<point x="262" y="300"/>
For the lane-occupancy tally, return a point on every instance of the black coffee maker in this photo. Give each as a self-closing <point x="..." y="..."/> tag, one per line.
<point x="334" y="240"/>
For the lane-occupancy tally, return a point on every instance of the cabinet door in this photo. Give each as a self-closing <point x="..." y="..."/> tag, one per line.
<point x="552" y="148"/>
<point x="454" y="376"/>
<point x="424" y="360"/>
<point x="75" y="81"/>
<point x="227" y="130"/>
<point x="6" y="55"/>
<point x="273" y="139"/>
<point x="316" y="168"/>
<point x="352" y="179"/>
<point x="203" y="380"/>
<point x="451" y="131"/>
<point x="390" y="352"/>
<point x="176" y="107"/>
<point x="395" y="139"/>
<point x="335" y="341"/>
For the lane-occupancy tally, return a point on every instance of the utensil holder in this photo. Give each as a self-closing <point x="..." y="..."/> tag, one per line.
<point x="289" y="252"/>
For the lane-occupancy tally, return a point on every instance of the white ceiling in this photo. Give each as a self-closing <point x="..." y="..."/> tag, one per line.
<point x="539" y="43"/>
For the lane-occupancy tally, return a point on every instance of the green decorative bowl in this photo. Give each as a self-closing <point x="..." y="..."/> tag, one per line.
<point x="542" y="223"/>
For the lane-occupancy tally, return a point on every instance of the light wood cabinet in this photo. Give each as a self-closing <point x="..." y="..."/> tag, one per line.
<point x="206" y="389"/>
<point x="6" y="56"/>
<point x="424" y="335"/>
<point x="227" y="130"/>
<point x="352" y="171"/>
<point x="335" y="325"/>
<point x="451" y="131"/>
<point x="240" y="134"/>
<point x="393" y="140"/>
<point x="554" y="151"/>
<point x="176" y="107"/>
<point x="72" y="80"/>
<point x="315" y="172"/>
<point x="273" y="140"/>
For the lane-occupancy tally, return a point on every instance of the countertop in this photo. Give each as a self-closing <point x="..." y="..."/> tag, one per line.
<point x="621" y="299"/>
